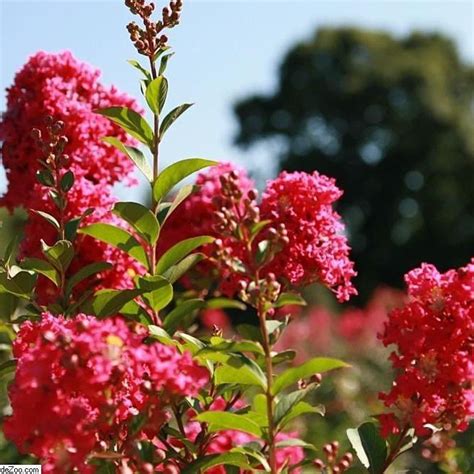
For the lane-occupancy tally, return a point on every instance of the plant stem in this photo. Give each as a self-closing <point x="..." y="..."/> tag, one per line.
<point x="394" y="452"/>
<point x="269" y="395"/>
<point x="156" y="153"/>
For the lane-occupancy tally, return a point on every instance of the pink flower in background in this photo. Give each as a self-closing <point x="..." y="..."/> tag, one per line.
<point x="79" y="381"/>
<point x="434" y="349"/>
<point x="318" y="250"/>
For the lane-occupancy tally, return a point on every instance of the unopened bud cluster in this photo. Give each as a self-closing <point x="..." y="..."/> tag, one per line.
<point x="149" y="39"/>
<point x="54" y="161"/>
<point x="235" y="209"/>
<point x="266" y="291"/>
<point x="332" y="463"/>
<point x="53" y="145"/>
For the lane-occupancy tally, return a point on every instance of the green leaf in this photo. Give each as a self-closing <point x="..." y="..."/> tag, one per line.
<point x="172" y="117"/>
<point x="301" y="408"/>
<point x="236" y="368"/>
<point x="132" y="310"/>
<point x="249" y="331"/>
<point x="182" y="194"/>
<point x="174" y="317"/>
<point x="263" y="251"/>
<point x="8" y="305"/>
<point x="132" y="122"/>
<point x="295" y="442"/>
<point x="43" y="268"/>
<point x="209" y="461"/>
<point x="8" y="367"/>
<point x="176" y="253"/>
<point x="289" y="298"/>
<point x="60" y="254"/>
<point x="134" y="154"/>
<point x="370" y="447"/>
<point x="287" y="402"/>
<point x="221" y="303"/>
<point x="21" y="284"/>
<point x="45" y="177"/>
<point x="317" y="365"/>
<point x="175" y="272"/>
<point x="140" y="218"/>
<point x="117" y="237"/>
<point x="157" y="291"/>
<point x="11" y="250"/>
<point x="67" y="181"/>
<point x="258" y="227"/>
<point x="224" y="345"/>
<point x="86" y="272"/>
<point x="224" y="420"/>
<point x="139" y="67"/>
<point x="109" y="302"/>
<point x="156" y="93"/>
<point x="48" y="218"/>
<point x="161" y="335"/>
<point x="164" y="63"/>
<point x="283" y="356"/>
<point x="175" y="173"/>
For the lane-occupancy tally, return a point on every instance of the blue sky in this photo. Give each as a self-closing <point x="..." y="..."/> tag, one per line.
<point x="224" y="51"/>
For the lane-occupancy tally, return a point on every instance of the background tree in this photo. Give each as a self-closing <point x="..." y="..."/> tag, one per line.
<point x="391" y="120"/>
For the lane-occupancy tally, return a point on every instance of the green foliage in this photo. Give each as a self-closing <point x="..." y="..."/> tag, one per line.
<point x="134" y="154"/>
<point x="370" y="447"/>
<point x="157" y="291"/>
<point x="117" y="237"/>
<point x="44" y="268"/>
<point x="131" y="121"/>
<point x="156" y="93"/>
<point x="140" y="218"/>
<point x="223" y="420"/>
<point x="181" y="250"/>
<point x="172" y="117"/>
<point x="318" y="365"/>
<point x="175" y="173"/>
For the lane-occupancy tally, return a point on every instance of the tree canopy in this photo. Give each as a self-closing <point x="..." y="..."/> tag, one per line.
<point x="391" y="119"/>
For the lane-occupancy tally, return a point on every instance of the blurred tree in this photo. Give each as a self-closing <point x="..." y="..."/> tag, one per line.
<point x="391" y="120"/>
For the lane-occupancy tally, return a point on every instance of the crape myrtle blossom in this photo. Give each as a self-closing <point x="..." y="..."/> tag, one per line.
<point x="317" y="250"/>
<point x="69" y="90"/>
<point x="433" y="335"/>
<point x="60" y="86"/>
<point x="80" y="381"/>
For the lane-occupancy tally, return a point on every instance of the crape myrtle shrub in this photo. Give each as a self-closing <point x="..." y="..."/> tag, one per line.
<point x="108" y="372"/>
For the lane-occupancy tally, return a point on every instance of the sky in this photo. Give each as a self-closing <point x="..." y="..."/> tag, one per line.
<point x="225" y="50"/>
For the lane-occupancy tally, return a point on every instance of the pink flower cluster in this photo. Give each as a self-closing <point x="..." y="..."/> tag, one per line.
<point x="433" y="335"/>
<point x="60" y="86"/>
<point x="80" y="381"/>
<point x="317" y="250"/>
